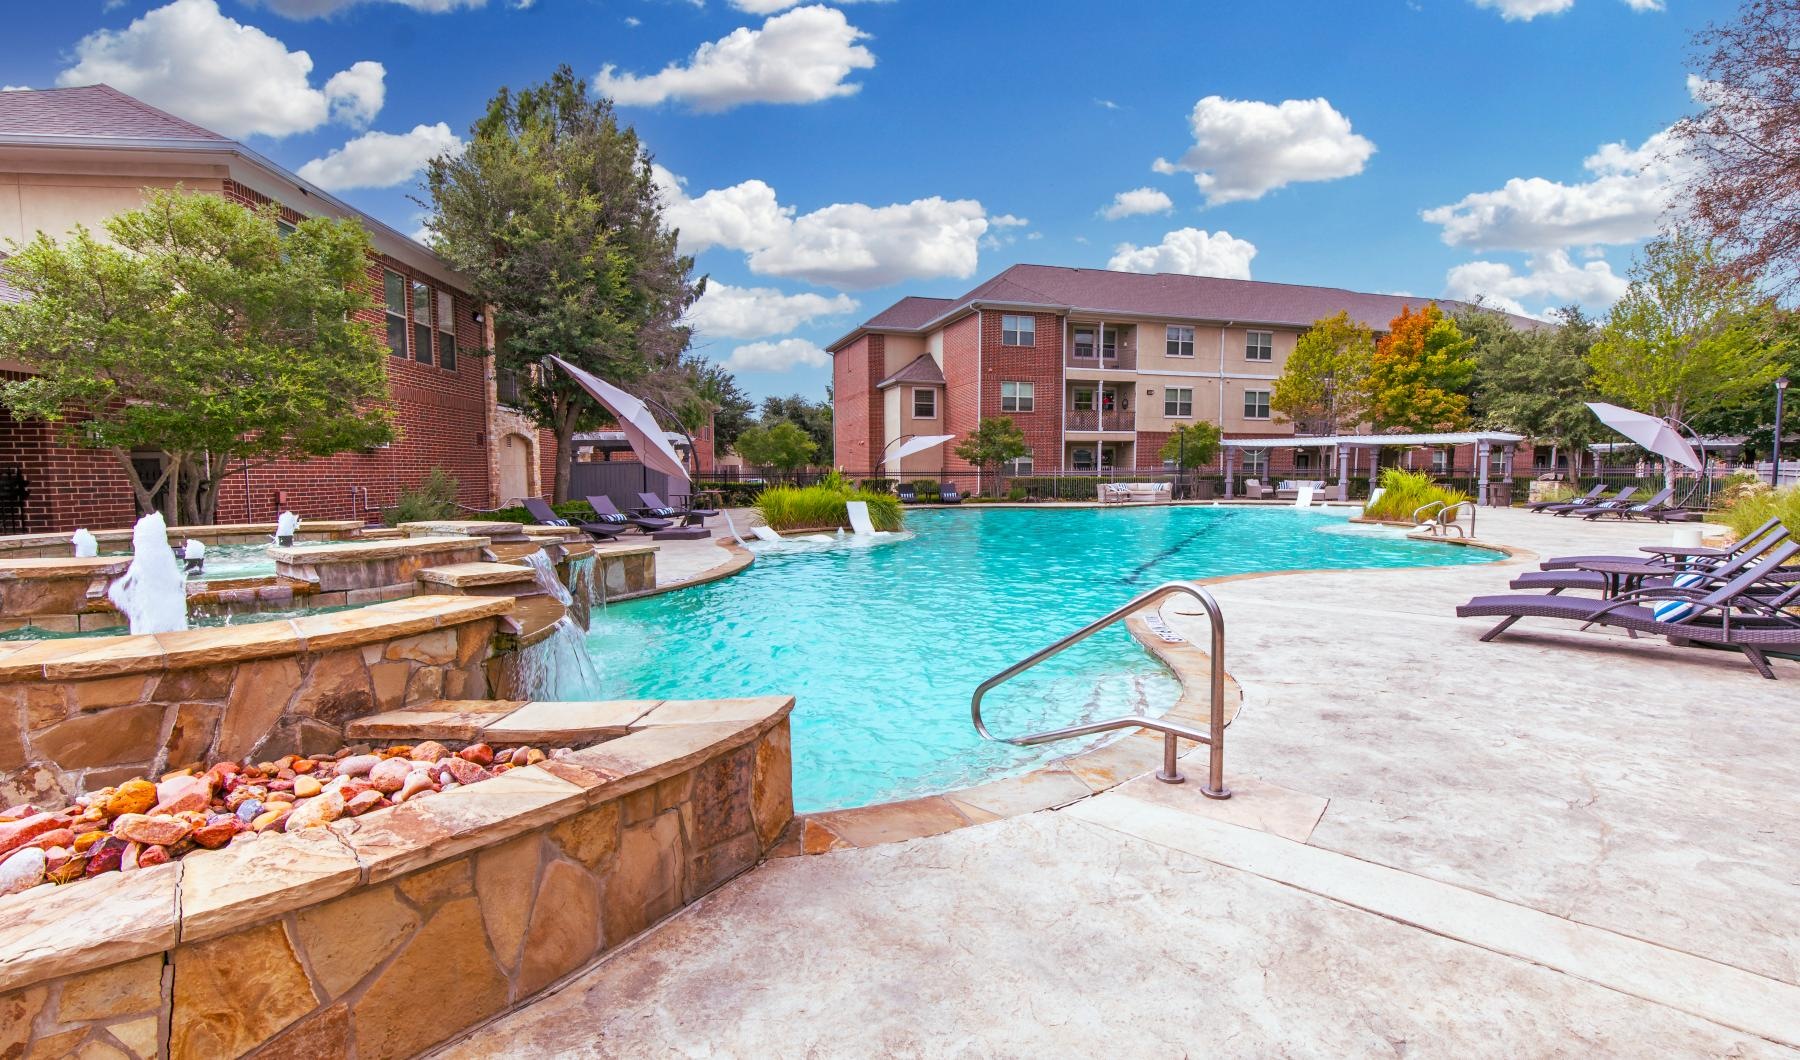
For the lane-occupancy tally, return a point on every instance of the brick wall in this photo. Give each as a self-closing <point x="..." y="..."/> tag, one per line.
<point x="1040" y="365"/>
<point x="962" y="391"/>
<point x="858" y="427"/>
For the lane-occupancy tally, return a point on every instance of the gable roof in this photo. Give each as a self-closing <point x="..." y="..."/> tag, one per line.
<point x="91" y="112"/>
<point x="1169" y="295"/>
<point x="921" y="370"/>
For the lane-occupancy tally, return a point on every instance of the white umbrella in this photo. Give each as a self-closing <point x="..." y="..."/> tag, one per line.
<point x="915" y="445"/>
<point x="1651" y="432"/>
<point x="642" y="432"/>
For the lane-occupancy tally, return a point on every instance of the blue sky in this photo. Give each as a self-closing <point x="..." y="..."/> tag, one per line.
<point x="824" y="160"/>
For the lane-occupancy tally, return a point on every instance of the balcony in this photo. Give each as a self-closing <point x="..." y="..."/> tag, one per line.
<point x="1118" y="349"/>
<point x="1092" y="420"/>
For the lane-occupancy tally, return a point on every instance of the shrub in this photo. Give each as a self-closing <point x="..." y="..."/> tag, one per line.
<point x="1404" y="492"/>
<point x="1062" y="489"/>
<point x="877" y="485"/>
<point x="435" y="498"/>
<point x="735" y="494"/>
<point x="925" y="486"/>
<point x="574" y="511"/>
<point x="1751" y="508"/>
<point x="1554" y="492"/>
<point x="811" y="507"/>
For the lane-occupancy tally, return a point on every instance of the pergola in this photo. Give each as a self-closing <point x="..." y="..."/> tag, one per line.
<point x="1485" y="443"/>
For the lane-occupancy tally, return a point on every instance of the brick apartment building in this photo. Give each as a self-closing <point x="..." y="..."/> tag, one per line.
<point x="1095" y="367"/>
<point x="78" y="155"/>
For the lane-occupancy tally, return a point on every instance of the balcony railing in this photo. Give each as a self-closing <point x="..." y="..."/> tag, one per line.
<point x="1092" y="420"/>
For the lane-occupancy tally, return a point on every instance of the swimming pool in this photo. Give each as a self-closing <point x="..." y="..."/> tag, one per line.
<point x="882" y="643"/>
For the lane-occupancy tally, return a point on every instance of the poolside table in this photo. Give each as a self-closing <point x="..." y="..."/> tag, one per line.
<point x="1624" y="575"/>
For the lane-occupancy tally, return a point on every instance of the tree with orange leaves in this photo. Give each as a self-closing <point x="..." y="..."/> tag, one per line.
<point x="1421" y="374"/>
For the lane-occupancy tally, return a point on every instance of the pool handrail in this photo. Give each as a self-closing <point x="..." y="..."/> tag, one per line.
<point x="1170" y="773"/>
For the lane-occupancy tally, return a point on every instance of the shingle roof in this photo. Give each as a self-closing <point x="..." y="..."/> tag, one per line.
<point x="92" y="111"/>
<point x="1164" y="294"/>
<point x="909" y="312"/>
<point x="921" y="369"/>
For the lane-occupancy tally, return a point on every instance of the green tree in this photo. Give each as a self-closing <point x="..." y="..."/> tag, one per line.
<point x="552" y="213"/>
<point x="813" y="417"/>
<point x="201" y="333"/>
<point x="1192" y="445"/>
<point x="1535" y="381"/>
<point x="715" y="393"/>
<point x="994" y="441"/>
<point x="1325" y="382"/>
<point x="1420" y="374"/>
<point x="1689" y="339"/>
<point x="780" y="445"/>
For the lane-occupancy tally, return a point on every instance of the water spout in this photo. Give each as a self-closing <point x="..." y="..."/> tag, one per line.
<point x="153" y="592"/>
<point x="86" y="545"/>
<point x="285" y="526"/>
<point x="194" y="557"/>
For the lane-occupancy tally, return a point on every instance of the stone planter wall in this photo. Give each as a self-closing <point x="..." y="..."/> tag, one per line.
<point x="80" y="714"/>
<point x="385" y="935"/>
<point x="55" y="545"/>
<point x="624" y="571"/>
<point x="373" y="566"/>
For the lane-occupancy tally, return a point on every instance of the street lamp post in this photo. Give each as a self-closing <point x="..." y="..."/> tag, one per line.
<point x="1781" y="386"/>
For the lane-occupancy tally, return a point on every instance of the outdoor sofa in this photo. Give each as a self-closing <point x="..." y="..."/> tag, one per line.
<point x="1289" y="489"/>
<point x="1134" y="492"/>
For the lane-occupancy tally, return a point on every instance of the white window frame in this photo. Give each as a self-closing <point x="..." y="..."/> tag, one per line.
<point x="1018" y="329"/>
<point x="1259" y="345"/>
<point x="1075" y="394"/>
<point x="1093" y="343"/>
<point x="1076" y="462"/>
<point x="1172" y="404"/>
<point x="1019" y="466"/>
<point x="1023" y="397"/>
<point x="1178" y="341"/>
<point x="1441" y="461"/>
<point x="1251" y="408"/>
<point x="1256" y="463"/>
<point x="931" y="398"/>
<point x="1109" y="351"/>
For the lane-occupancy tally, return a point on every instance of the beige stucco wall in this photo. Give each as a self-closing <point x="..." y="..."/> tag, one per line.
<point x="898" y="351"/>
<point x="55" y="202"/>
<point x="897" y="421"/>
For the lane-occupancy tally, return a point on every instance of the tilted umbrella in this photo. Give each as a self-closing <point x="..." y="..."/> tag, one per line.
<point x="642" y="432"/>
<point x="1653" y="433"/>
<point x="917" y="444"/>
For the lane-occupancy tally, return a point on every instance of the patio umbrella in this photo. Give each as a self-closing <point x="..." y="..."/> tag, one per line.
<point x="915" y="445"/>
<point x="642" y="432"/>
<point x="1653" y="433"/>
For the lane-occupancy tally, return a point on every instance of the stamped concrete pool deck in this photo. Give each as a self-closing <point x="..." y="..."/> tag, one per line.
<point x="1561" y="843"/>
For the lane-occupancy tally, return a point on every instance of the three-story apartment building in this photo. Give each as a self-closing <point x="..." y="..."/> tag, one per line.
<point x="1096" y="368"/>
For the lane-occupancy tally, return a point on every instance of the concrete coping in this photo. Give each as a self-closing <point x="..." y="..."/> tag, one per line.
<point x="462" y="575"/>
<point x="355" y="551"/>
<point x="465" y="527"/>
<point x="47" y="933"/>
<point x="601" y="549"/>
<point x="14" y="542"/>
<point x="88" y="657"/>
<point x="61" y="567"/>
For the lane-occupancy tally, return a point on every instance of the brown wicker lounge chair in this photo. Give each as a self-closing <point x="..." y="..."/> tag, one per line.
<point x="1697" y="552"/>
<point x="541" y="511"/>
<point x="1712" y="572"/>
<point x="1593" y="497"/>
<point x="1732" y="615"/>
<point x="1626" y="511"/>
<point x="1622" y="497"/>
<point x="606" y="509"/>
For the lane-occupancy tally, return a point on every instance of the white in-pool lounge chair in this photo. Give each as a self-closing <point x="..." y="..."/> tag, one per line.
<point x="859" y="518"/>
<point x="763" y="533"/>
<point x="1303" y="497"/>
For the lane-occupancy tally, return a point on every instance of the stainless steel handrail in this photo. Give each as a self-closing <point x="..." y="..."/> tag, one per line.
<point x="1447" y="518"/>
<point x="1213" y="737"/>
<point x="1423" y="507"/>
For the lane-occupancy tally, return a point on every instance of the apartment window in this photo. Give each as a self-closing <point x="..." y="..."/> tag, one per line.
<point x="1109" y="342"/>
<point x="1180" y="342"/>
<point x="1082" y="400"/>
<point x="1302" y="460"/>
<point x="393" y="287"/>
<point x="1440" y="461"/>
<point x="924" y="404"/>
<point x="1256" y="463"/>
<point x="1083" y="458"/>
<point x="446" y="322"/>
<point x="1021" y="466"/>
<point x="1178" y="401"/>
<point x="422" y="300"/>
<point x="1084" y="342"/>
<point x="284" y="229"/>
<point x="1259" y="345"/>
<point x="1256" y="404"/>
<point x="1017" y="397"/>
<point x="1018" y="330"/>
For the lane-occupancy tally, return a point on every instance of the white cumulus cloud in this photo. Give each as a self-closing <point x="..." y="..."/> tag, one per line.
<point x="1526" y="10"/>
<point x="1550" y="280"/>
<point x="802" y="56"/>
<point x="780" y="356"/>
<point x="381" y="160"/>
<point x="1244" y="149"/>
<point x="1138" y="201"/>
<point x="1630" y="191"/>
<point x="322" y="8"/>
<point x="851" y="245"/>
<point x="769" y="7"/>
<point x="188" y="58"/>
<point x="1192" y="251"/>
<point x="731" y="312"/>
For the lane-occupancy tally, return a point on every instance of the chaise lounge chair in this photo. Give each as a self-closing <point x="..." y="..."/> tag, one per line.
<point x="1698" y="555"/>
<point x="1675" y="571"/>
<point x="1627" y="511"/>
<point x="604" y="530"/>
<point x="690" y="516"/>
<point x="1593" y="497"/>
<point x="1739" y="614"/>
<point x="607" y="510"/>
<point x="947" y="494"/>
<point x="1568" y="507"/>
<point x="907" y="494"/>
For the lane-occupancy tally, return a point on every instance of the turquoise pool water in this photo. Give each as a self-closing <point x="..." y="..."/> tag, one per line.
<point x="882" y="644"/>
